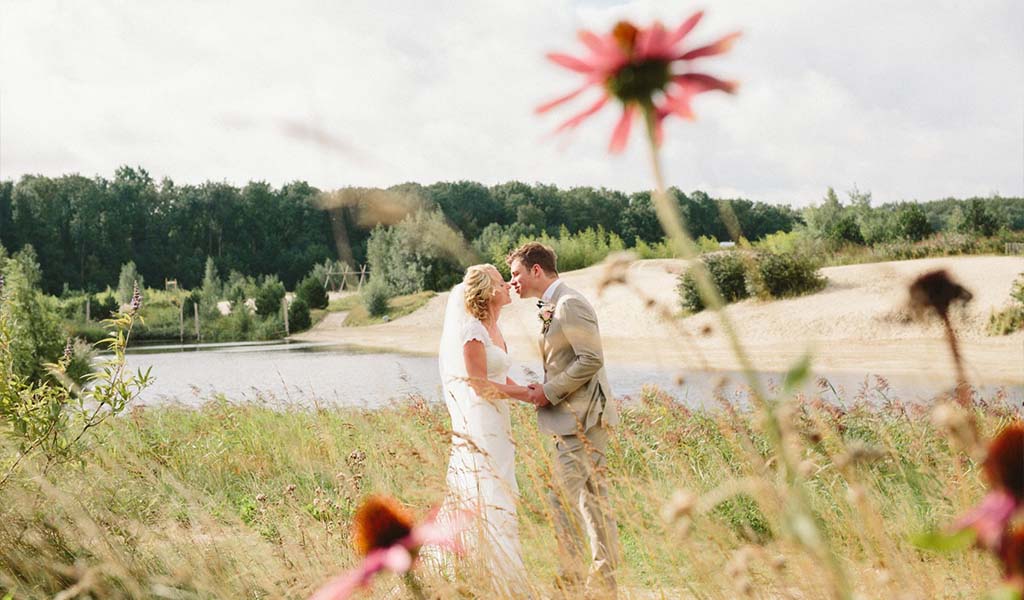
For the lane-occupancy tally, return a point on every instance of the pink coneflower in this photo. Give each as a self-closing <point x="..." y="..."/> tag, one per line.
<point x="384" y="533"/>
<point x="644" y="68"/>
<point x="991" y="519"/>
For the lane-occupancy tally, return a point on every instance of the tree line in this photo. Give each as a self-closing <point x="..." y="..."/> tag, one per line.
<point x="84" y="229"/>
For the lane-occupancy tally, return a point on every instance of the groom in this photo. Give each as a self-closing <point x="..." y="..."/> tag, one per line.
<point x="574" y="405"/>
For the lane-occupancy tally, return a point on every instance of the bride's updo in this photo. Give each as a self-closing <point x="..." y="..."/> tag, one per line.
<point x="479" y="290"/>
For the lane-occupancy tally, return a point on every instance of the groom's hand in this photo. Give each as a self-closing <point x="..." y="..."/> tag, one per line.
<point x="536" y="395"/>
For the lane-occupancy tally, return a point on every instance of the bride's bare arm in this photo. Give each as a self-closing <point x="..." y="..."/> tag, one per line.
<point x="475" y="355"/>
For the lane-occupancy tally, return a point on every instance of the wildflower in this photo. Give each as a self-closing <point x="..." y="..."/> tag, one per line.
<point x="1004" y="469"/>
<point x="646" y="70"/>
<point x="136" y="303"/>
<point x="67" y="351"/>
<point x="1" y="284"/>
<point x="385" y="534"/>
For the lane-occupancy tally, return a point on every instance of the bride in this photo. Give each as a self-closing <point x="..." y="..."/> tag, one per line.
<point x="474" y="365"/>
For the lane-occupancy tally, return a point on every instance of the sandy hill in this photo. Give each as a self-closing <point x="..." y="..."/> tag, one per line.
<point x="858" y="323"/>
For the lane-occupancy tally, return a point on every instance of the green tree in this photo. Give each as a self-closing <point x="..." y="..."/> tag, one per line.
<point x="34" y="324"/>
<point x="978" y="220"/>
<point x="298" y="315"/>
<point x="269" y="296"/>
<point x="312" y="293"/>
<point x="127" y="281"/>
<point x="912" y="222"/>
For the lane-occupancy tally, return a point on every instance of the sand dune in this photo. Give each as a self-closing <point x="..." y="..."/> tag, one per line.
<point x="858" y="323"/>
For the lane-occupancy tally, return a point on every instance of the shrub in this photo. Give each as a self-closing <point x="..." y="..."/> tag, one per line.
<point x="312" y="292"/>
<point x="298" y="315"/>
<point x="375" y="298"/>
<point x="727" y="273"/>
<point x="784" y="275"/>
<point x="105" y="307"/>
<point x="1011" y="318"/>
<point x="422" y="252"/>
<point x="269" y="296"/>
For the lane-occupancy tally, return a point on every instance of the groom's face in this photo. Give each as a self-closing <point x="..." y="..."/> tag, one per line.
<point x="524" y="280"/>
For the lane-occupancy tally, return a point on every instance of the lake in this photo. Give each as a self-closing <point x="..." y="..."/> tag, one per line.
<point x="307" y="374"/>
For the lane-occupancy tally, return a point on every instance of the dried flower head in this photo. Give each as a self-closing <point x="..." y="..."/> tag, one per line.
<point x="380" y="523"/>
<point x="645" y="70"/>
<point x="136" y="303"/>
<point x="616" y="266"/>
<point x="680" y="506"/>
<point x="936" y="291"/>
<point x="67" y="350"/>
<point x="1" y="284"/>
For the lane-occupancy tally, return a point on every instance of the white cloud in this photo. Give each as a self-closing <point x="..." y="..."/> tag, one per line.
<point x="917" y="99"/>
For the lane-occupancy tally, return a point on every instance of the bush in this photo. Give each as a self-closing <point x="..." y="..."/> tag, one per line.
<point x="728" y="274"/>
<point x="784" y="275"/>
<point x="298" y="315"/>
<point x="269" y="296"/>
<point x="375" y="298"/>
<point x="312" y="292"/>
<point x="1009" y="319"/>
<point x="103" y="308"/>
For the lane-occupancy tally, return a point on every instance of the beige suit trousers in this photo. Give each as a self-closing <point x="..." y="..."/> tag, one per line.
<point x="579" y="501"/>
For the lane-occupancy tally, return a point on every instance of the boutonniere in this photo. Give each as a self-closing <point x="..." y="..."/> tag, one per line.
<point x="547" y="312"/>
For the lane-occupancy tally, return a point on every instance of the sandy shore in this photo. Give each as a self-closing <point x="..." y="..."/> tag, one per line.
<point x="857" y="324"/>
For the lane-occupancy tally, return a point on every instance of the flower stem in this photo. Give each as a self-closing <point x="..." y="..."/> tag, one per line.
<point x="803" y="519"/>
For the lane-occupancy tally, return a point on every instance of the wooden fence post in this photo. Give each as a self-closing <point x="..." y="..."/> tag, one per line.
<point x="88" y="299"/>
<point x="195" y="309"/>
<point x="362" y="274"/>
<point x="181" y="322"/>
<point x="284" y="309"/>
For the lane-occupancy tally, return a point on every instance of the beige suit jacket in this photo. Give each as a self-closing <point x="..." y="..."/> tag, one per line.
<point x="575" y="381"/>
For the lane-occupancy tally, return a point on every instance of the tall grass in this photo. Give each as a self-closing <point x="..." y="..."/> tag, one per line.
<point x="253" y="500"/>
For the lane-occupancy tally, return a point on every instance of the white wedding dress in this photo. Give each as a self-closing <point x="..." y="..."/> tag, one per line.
<point x="481" y="471"/>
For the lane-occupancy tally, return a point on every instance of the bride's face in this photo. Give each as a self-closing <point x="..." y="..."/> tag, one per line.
<point x="502" y="290"/>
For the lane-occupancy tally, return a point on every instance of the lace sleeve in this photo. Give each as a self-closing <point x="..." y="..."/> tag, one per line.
<point x="474" y="330"/>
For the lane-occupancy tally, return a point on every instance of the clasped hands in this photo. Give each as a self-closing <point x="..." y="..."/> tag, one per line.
<point x="535" y="395"/>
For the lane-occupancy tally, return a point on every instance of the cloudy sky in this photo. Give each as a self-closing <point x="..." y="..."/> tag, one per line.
<point x="913" y="99"/>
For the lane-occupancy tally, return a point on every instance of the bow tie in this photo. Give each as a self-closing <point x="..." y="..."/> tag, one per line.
<point x="541" y="304"/>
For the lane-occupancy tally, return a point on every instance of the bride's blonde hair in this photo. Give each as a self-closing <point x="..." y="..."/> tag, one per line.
<point x="479" y="290"/>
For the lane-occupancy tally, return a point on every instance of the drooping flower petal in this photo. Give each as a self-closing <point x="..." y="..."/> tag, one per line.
<point x="620" y="136"/>
<point x="677" y="104"/>
<point x="990" y="518"/>
<point x="719" y="47"/>
<point x="442" y="531"/>
<point x="543" y="108"/>
<point x="397" y="559"/>
<point x="696" y="83"/>
<point x="685" y="28"/>
<point x="570" y="62"/>
<point x="346" y="584"/>
<point x="579" y="118"/>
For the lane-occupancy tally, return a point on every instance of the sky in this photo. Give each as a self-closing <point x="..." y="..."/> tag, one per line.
<point x="908" y="100"/>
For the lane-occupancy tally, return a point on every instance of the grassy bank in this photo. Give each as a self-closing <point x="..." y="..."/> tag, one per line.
<point x="233" y="501"/>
